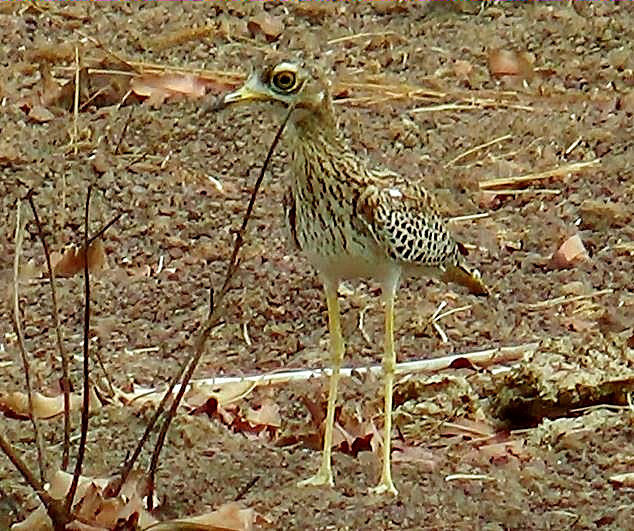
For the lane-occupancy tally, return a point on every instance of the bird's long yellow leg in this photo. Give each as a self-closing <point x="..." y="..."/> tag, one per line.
<point x="324" y="476"/>
<point x="389" y="364"/>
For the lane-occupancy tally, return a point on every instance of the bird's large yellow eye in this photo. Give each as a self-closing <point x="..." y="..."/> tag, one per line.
<point x="284" y="81"/>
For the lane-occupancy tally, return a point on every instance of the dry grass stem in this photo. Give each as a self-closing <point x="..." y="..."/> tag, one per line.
<point x="76" y="104"/>
<point x="469" y="477"/>
<point x="523" y="179"/>
<point x="564" y="299"/>
<point x="65" y="380"/>
<point x="17" y="325"/>
<point x="362" y="36"/>
<point x="493" y="357"/>
<point x="468" y="217"/>
<point x="522" y="191"/>
<point x="478" y="148"/>
<point x="361" y="325"/>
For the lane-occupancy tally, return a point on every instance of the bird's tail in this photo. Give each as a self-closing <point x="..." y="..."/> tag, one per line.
<point x="461" y="274"/>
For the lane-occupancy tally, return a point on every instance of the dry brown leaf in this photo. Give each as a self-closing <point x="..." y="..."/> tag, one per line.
<point x="509" y="63"/>
<point x="271" y="27"/>
<point x="224" y="394"/>
<point x="173" y="85"/>
<point x="9" y="153"/>
<point x="228" y="517"/>
<point x="578" y="324"/>
<point x="160" y="87"/>
<point x="72" y="261"/>
<point x="462" y="69"/>
<point x="16" y="404"/>
<point x="352" y="435"/>
<point x="96" y="510"/>
<point x="623" y="480"/>
<point x="570" y="252"/>
<point x="268" y="414"/>
<point x="467" y="427"/>
<point x="403" y="453"/>
<point x="40" y="114"/>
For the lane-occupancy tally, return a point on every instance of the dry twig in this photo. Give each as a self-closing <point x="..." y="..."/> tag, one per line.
<point x="86" y="370"/>
<point x="19" y="235"/>
<point x="216" y="313"/>
<point x="523" y="179"/>
<point x="58" y="333"/>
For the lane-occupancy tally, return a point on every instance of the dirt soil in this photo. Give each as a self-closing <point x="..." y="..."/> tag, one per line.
<point x="534" y="86"/>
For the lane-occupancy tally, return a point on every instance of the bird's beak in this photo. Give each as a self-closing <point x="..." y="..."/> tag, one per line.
<point x="247" y="92"/>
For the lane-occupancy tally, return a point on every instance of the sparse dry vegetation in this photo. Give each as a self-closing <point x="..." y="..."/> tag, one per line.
<point x="514" y="412"/>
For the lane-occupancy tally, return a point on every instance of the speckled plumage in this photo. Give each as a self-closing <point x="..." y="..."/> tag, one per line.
<point x="352" y="220"/>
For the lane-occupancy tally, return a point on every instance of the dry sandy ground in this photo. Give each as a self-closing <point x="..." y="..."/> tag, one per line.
<point x="571" y="101"/>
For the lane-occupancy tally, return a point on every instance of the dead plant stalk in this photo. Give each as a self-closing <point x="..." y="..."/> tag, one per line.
<point x="58" y="334"/>
<point x="19" y="236"/>
<point x="214" y="318"/>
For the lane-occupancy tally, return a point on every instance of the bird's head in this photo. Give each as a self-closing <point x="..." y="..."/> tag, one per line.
<point x="290" y="84"/>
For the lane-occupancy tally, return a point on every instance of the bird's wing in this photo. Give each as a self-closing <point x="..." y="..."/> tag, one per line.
<point x="403" y="218"/>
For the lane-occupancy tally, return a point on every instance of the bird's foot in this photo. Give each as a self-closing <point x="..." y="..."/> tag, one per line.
<point x="384" y="487"/>
<point x="322" y="478"/>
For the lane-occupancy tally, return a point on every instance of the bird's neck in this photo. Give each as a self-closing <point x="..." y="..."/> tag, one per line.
<point x="314" y="140"/>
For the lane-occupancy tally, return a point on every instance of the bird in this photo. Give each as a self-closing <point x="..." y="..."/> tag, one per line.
<point x="352" y="220"/>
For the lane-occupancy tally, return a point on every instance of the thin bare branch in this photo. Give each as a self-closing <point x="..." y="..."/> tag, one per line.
<point x="216" y="313"/>
<point x="54" y="508"/>
<point x="103" y="229"/>
<point x="19" y="235"/>
<point x="58" y="333"/>
<point x="85" y="411"/>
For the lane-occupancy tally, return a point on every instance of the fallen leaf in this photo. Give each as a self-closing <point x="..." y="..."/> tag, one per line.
<point x="462" y="69"/>
<point x="160" y="87"/>
<point x="96" y="509"/>
<point x="570" y="252"/>
<point x="173" y="85"/>
<point x="16" y="404"/>
<point x="72" y="261"/>
<point x="40" y="114"/>
<point x="268" y="414"/>
<point x="228" y="517"/>
<point x="509" y="63"/>
<point x="403" y="453"/>
<point x="623" y="480"/>
<point x="271" y="27"/>
<point x="224" y="394"/>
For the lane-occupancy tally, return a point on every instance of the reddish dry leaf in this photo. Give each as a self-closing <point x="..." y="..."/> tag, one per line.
<point x="578" y="324"/>
<point x="626" y="102"/>
<point x="462" y="69"/>
<point x="467" y="427"/>
<point x="570" y="252"/>
<point x="72" y="261"/>
<point x="228" y="517"/>
<point x="16" y="404"/>
<point x="268" y="414"/>
<point x="509" y="63"/>
<point x="271" y="27"/>
<point x="40" y="114"/>
<point x="160" y="87"/>
<point x="352" y="435"/>
<point x="403" y="453"/>
<point x="499" y="452"/>
<point x="224" y="394"/>
<point x="96" y="510"/>
<point x="623" y="480"/>
<point x="9" y="153"/>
